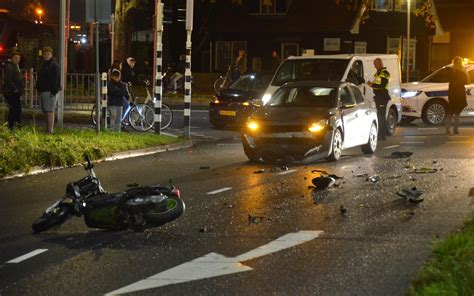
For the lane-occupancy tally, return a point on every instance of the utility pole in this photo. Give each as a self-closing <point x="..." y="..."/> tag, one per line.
<point x="63" y="32"/>
<point x="158" y="57"/>
<point x="187" y="73"/>
<point x="408" y="40"/>
<point x="97" y="77"/>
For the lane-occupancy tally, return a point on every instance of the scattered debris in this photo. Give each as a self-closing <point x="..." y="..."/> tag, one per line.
<point x="394" y="177"/>
<point x="402" y="154"/>
<point x="323" y="182"/>
<point x="342" y="210"/>
<point x="373" y="179"/>
<point x="435" y="162"/>
<point x="255" y="219"/>
<point x="279" y="169"/>
<point x="260" y="171"/>
<point x="335" y="177"/>
<point x="425" y="171"/>
<point x="410" y="166"/>
<point x="204" y="167"/>
<point x="411" y="195"/>
<point x="205" y="229"/>
<point x="361" y="175"/>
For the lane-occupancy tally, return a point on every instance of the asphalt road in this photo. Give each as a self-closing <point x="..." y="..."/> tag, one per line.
<point x="373" y="249"/>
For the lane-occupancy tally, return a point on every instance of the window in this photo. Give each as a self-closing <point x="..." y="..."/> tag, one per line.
<point x="345" y="96"/>
<point x="310" y="69"/>
<point x="412" y="54"/>
<point x="267" y="6"/>
<point x="401" y="5"/>
<point x="471" y="76"/>
<point x="360" y="47"/>
<point x="323" y="97"/>
<point x="357" y="95"/>
<point x="383" y="5"/>
<point x="440" y="76"/>
<point x="356" y="73"/>
<point x="227" y="52"/>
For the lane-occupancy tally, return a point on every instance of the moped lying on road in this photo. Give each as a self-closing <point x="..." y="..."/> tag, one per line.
<point x="137" y="208"/>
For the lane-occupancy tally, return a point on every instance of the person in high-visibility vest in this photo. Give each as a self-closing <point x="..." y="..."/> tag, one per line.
<point x="381" y="95"/>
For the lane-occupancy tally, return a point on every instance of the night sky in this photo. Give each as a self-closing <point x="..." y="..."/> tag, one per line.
<point x="51" y="8"/>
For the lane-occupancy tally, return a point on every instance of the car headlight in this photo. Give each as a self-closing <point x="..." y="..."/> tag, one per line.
<point x="252" y="125"/>
<point x="215" y="100"/>
<point x="410" y="94"/>
<point x="254" y="102"/>
<point x="316" y="127"/>
<point x="266" y="98"/>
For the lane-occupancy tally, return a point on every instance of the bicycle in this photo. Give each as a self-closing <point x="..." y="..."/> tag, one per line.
<point x="223" y="82"/>
<point x="141" y="116"/>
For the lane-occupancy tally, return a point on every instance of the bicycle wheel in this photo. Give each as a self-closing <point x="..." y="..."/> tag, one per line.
<point x="166" y="116"/>
<point x="141" y="117"/>
<point x="94" y="116"/>
<point x="220" y="84"/>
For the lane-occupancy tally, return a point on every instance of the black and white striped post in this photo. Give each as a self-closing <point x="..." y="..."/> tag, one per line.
<point x="103" y="108"/>
<point x="159" y="66"/>
<point x="187" y="73"/>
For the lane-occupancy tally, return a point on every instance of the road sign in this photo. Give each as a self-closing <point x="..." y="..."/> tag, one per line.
<point x="98" y="10"/>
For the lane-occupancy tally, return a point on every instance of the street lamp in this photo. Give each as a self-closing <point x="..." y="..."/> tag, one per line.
<point x="39" y="11"/>
<point x="408" y="40"/>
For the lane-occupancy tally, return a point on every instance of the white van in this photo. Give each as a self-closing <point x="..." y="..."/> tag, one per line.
<point x="358" y="69"/>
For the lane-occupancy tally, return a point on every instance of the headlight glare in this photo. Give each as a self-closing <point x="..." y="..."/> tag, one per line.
<point x="316" y="127"/>
<point x="410" y="94"/>
<point x="252" y="125"/>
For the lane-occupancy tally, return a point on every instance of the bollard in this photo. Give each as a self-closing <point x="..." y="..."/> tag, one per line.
<point x="104" y="99"/>
<point x="187" y="73"/>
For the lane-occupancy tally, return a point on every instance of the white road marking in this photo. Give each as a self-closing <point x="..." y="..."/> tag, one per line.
<point x="219" y="190"/>
<point x="213" y="265"/>
<point x="405" y="143"/>
<point x="390" y="147"/>
<point x="286" y="172"/>
<point x="229" y="144"/>
<point x="27" y="256"/>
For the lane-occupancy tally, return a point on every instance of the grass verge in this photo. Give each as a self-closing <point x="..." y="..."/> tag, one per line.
<point x="22" y="149"/>
<point x="451" y="271"/>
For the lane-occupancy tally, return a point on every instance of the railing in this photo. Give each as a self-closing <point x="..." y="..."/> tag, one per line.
<point x="78" y="95"/>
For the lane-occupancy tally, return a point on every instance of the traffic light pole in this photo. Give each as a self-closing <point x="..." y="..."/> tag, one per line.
<point x="187" y="73"/>
<point x="159" y="66"/>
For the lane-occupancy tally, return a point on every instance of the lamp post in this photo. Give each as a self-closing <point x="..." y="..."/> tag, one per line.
<point x="408" y="40"/>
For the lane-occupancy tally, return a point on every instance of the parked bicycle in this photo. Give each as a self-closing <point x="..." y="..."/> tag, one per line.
<point x="140" y="116"/>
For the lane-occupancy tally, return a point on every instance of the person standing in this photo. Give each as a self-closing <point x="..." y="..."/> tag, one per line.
<point x="116" y="93"/>
<point x="381" y="95"/>
<point x="128" y="74"/>
<point x="178" y="74"/>
<point x="240" y="65"/>
<point x="275" y="61"/>
<point x="13" y="88"/>
<point x="48" y="86"/>
<point x="456" y="95"/>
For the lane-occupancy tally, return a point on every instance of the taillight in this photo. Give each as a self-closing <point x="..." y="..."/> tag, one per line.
<point x="176" y="192"/>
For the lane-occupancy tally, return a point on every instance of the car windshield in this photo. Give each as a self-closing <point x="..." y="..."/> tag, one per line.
<point x="310" y="69"/>
<point x="251" y="82"/>
<point x="313" y="96"/>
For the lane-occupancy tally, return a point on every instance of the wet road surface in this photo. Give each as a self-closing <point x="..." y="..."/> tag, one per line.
<point x="374" y="248"/>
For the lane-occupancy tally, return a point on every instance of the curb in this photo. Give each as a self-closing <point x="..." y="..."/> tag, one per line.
<point x="115" y="156"/>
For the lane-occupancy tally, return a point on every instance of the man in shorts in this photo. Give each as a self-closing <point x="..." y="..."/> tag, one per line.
<point x="48" y="86"/>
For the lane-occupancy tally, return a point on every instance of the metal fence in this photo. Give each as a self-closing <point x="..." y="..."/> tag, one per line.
<point x="79" y="94"/>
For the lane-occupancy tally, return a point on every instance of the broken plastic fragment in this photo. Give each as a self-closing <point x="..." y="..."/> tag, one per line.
<point x="425" y="171"/>
<point x="412" y="195"/>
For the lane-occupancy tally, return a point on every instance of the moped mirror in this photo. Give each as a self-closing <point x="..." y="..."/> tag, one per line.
<point x="88" y="164"/>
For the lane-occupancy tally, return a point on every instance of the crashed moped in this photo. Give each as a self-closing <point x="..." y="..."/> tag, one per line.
<point x="137" y="208"/>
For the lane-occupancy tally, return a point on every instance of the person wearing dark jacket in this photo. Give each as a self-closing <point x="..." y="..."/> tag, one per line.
<point x="128" y="74"/>
<point x="48" y="86"/>
<point x="275" y="61"/>
<point x="116" y="92"/>
<point x="456" y="94"/>
<point x="13" y="88"/>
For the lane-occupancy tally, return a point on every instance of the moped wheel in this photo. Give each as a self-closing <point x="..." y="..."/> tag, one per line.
<point x="175" y="208"/>
<point x="57" y="217"/>
<point x="141" y="117"/>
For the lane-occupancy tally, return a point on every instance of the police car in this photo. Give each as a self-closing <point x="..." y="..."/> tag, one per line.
<point x="427" y="99"/>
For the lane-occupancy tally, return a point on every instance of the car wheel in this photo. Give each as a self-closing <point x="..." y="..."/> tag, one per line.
<point x="371" y="145"/>
<point x="434" y="112"/>
<point x="336" y="146"/>
<point x="392" y="120"/>
<point x="407" y="119"/>
<point x="249" y="152"/>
